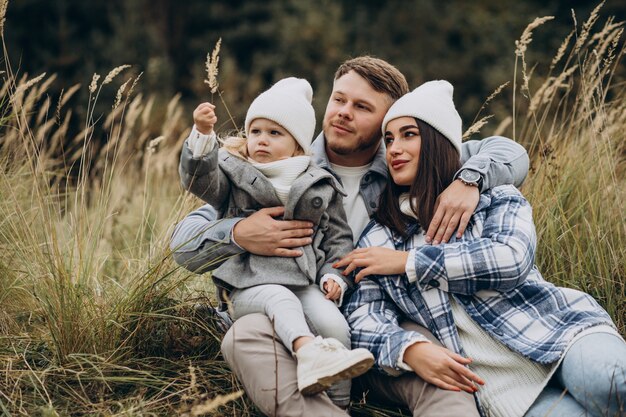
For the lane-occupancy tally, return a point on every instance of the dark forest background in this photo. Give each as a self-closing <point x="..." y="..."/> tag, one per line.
<point x="469" y="43"/>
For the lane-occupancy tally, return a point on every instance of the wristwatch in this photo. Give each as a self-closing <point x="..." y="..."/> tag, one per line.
<point x="471" y="178"/>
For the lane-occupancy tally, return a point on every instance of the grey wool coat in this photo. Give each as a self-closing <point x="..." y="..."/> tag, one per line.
<point x="237" y="189"/>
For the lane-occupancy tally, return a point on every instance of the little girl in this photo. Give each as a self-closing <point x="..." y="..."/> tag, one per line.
<point x="270" y="167"/>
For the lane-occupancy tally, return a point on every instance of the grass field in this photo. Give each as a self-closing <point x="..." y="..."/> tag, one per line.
<point x="97" y="319"/>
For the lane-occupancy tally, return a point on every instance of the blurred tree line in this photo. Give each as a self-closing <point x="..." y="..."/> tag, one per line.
<point x="471" y="44"/>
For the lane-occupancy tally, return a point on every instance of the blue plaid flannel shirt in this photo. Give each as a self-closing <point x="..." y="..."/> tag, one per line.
<point x="490" y="271"/>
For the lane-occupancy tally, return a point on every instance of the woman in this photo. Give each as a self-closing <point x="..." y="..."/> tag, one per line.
<point x="520" y="344"/>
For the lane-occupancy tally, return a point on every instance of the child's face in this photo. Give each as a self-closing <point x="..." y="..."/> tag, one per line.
<point x="268" y="141"/>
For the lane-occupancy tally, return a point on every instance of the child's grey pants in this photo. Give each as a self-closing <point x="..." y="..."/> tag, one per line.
<point x="296" y="312"/>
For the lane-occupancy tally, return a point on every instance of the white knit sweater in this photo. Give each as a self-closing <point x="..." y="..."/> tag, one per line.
<point x="512" y="382"/>
<point x="282" y="173"/>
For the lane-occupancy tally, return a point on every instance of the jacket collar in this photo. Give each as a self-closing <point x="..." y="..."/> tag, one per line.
<point x="320" y="158"/>
<point x="251" y="180"/>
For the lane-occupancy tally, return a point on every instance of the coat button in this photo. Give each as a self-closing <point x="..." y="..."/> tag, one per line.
<point x="373" y="204"/>
<point x="433" y="283"/>
<point x="317" y="202"/>
<point x="221" y="235"/>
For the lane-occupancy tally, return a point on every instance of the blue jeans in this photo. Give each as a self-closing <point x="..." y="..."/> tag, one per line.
<point x="591" y="381"/>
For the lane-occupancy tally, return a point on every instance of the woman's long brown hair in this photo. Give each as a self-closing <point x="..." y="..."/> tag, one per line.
<point x="438" y="162"/>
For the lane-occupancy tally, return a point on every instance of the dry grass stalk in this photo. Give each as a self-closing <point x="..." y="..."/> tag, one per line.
<point x="214" y="403"/>
<point x="603" y="53"/>
<point x="193" y="382"/>
<point x="475" y="128"/>
<point x="21" y="88"/>
<point x="527" y="35"/>
<point x="43" y="111"/>
<point x="154" y="144"/>
<point x="212" y="61"/>
<point x="145" y="117"/>
<point x="501" y="128"/>
<point x="561" y="51"/>
<point x="132" y="87"/>
<point x="3" y="13"/>
<point x="120" y="91"/>
<point x="548" y="89"/>
<point x="94" y="83"/>
<point x="609" y="26"/>
<point x="4" y="91"/>
<point x="521" y="45"/>
<point x="59" y="136"/>
<point x="584" y="34"/>
<point x="610" y="56"/>
<point x="69" y="94"/>
<point x="45" y="85"/>
<point x="496" y="92"/>
<point x="64" y="96"/>
<point x="114" y="73"/>
<point x="58" y="109"/>
<point x="491" y="97"/>
<point x="132" y="115"/>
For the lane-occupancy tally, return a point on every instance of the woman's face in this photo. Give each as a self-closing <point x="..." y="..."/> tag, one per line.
<point x="403" y="142"/>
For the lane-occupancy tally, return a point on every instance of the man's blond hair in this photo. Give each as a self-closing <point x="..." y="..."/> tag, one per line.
<point x="380" y="74"/>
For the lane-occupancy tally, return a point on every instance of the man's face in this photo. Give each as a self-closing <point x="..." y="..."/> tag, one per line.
<point x="353" y="119"/>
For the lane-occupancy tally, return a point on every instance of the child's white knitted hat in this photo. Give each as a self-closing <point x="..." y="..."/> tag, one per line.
<point x="288" y="103"/>
<point x="432" y="103"/>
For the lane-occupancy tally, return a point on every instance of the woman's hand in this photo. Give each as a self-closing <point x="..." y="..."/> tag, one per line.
<point x="441" y="367"/>
<point x="374" y="261"/>
<point x="453" y="209"/>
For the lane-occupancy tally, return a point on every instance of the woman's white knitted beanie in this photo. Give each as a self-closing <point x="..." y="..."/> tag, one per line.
<point x="288" y="103"/>
<point x="432" y="103"/>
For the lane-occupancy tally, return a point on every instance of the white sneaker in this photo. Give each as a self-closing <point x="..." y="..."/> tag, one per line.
<point x="323" y="362"/>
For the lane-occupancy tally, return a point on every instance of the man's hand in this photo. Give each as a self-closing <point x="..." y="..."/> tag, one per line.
<point x="261" y="234"/>
<point x="332" y="289"/>
<point x="374" y="261"/>
<point x="453" y="210"/>
<point x="441" y="367"/>
<point x="204" y="117"/>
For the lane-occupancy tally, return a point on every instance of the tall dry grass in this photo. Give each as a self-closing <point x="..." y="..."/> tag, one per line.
<point x="572" y="121"/>
<point x="96" y="318"/>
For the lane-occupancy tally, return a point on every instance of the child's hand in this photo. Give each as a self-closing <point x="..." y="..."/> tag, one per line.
<point x="332" y="289"/>
<point x="204" y="117"/>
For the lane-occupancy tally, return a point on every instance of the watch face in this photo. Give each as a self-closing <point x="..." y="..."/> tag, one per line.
<point x="470" y="176"/>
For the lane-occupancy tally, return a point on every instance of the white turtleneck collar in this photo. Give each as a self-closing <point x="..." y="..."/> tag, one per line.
<point x="283" y="173"/>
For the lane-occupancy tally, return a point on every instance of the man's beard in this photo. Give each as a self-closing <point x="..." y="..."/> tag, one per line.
<point x="342" y="148"/>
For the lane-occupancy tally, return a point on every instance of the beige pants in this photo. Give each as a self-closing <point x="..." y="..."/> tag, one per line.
<point x="263" y="364"/>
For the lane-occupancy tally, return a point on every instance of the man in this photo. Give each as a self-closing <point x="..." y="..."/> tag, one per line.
<point x="350" y="148"/>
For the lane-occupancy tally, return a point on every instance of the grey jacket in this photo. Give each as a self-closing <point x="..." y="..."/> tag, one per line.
<point x="237" y="189"/>
<point x="200" y="241"/>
